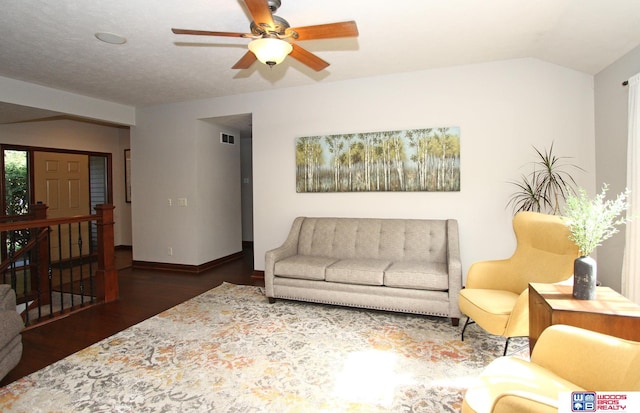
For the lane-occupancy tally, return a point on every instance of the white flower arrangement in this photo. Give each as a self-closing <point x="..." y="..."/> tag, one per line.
<point x="593" y="221"/>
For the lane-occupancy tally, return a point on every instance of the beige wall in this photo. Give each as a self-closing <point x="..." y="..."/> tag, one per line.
<point x="179" y="155"/>
<point x="218" y="195"/>
<point x="611" y="100"/>
<point x="68" y="134"/>
<point x="28" y="94"/>
<point x="502" y="108"/>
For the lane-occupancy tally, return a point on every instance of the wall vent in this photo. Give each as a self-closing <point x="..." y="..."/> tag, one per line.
<point x="226" y="138"/>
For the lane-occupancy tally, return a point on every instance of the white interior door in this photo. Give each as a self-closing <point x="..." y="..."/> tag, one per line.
<point x="61" y="182"/>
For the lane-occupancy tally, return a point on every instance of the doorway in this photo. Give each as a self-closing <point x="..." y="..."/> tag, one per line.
<point x="68" y="182"/>
<point x="244" y="125"/>
<point x="61" y="181"/>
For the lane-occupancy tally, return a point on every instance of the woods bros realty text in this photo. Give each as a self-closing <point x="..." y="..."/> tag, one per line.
<point x="590" y="401"/>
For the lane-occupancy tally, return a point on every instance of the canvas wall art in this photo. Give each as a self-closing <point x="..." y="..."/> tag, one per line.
<point x="406" y="160"/>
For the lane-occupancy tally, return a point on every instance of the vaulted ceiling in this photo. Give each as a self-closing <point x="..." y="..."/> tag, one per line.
<point x="52" y="42"/>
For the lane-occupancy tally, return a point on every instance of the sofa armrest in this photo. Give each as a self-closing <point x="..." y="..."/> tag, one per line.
<point x="7" y="298"/>
<point x="287" y="249"/>
<point x="524" y="402"/>
<point x="454" y="267"/>
<point x="575" y="354"/>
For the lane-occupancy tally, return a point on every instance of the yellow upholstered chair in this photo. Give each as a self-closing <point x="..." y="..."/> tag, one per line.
<point x="564" y="359"/>
<point x="496" y="294"/>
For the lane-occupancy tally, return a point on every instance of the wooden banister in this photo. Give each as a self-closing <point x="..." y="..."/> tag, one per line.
<point x="106" y="275"/>
<point x="39" y="223"/>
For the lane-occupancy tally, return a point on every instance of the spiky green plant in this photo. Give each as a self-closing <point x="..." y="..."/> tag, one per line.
<point x="592" y="221"/>
<point x="546" y="187"/>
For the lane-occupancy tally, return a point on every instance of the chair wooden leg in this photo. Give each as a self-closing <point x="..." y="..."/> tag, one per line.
<point x="466" y="323"/>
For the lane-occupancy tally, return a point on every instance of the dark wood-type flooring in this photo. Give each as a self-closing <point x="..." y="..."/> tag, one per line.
<point x="143" y="294"/>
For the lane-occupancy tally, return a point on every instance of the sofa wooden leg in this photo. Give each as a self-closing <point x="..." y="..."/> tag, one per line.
<point x="455" y="322"/>
<point x="272" y="300"/>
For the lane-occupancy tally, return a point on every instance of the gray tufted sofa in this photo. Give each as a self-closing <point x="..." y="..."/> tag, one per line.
<point x="404" y="265"/>
<point x="10" y="327"/>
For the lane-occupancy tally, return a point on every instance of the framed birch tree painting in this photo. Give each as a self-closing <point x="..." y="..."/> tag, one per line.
<point x="407" y="160"/>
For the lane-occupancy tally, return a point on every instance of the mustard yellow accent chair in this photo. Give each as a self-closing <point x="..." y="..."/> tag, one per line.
<point x="496" y="294"/>
<point x="565" y="359"/>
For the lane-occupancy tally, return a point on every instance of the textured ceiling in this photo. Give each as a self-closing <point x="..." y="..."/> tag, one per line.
<point x="52" y="43"/>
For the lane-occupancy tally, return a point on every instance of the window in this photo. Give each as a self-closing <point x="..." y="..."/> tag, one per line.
<point x="16" y="181"/>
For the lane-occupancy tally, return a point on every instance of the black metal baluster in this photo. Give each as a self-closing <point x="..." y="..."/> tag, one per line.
<point x="61" y="268"/>
<point x="12" y="263"/>
<point x="25" y="280"/>
<point x="81" y="264"/>
<point x="50" y="274"/>
<point x="35" y="234"/>
<point x="14" y="274"/>
<point x="71" y="264"/>
<point x="91" y="292"/>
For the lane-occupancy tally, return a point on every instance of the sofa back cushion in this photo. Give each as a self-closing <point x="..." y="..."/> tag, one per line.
<point x="391" y="239"/>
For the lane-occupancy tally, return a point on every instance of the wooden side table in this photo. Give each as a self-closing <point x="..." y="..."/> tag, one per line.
<point x="610" y="313"/>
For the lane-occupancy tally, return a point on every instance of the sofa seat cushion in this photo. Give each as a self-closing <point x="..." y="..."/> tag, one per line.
<point x="358" y="271"/>
<point x="304" y="267"/>
<point x="421" y="275"/>
<point x="513" y="376"/>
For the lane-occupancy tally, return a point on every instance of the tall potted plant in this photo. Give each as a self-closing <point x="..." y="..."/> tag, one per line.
<point x="590" y="222"/>
<point x="547" y="186"/>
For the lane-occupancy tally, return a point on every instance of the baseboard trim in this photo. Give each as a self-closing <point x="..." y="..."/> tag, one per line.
<point x="189" y="269"/>
<point x="257" y="275"/>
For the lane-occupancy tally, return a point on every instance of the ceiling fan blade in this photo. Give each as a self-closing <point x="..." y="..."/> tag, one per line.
<point x="327" y="31"/>
<point x="245" y="61"/>
<point x="260" y="13"/>
<point x="208" y="33"/>
<point x="306" y="57"/>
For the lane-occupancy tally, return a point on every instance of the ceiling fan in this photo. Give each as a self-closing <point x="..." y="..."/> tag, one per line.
<point x="273" y="37"/>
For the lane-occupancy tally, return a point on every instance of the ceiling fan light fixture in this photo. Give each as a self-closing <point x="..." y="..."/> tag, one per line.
<point x="269" y="50"/>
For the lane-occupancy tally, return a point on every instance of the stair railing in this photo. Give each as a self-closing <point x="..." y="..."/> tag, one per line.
<point x="81" y="271"/>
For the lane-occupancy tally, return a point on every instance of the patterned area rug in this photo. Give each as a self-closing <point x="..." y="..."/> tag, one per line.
<point x="229" y="350"/>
